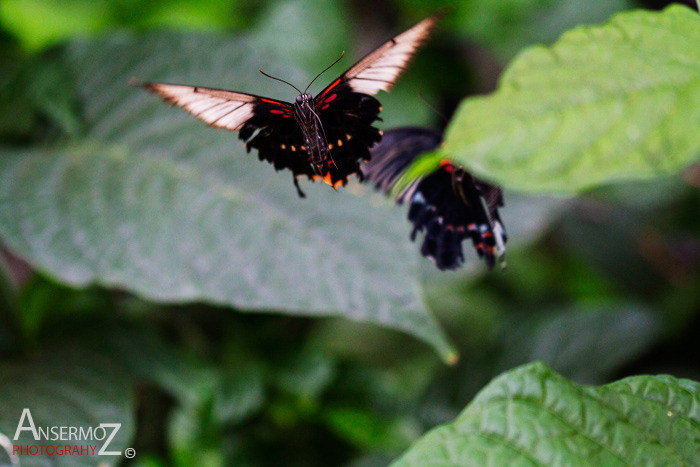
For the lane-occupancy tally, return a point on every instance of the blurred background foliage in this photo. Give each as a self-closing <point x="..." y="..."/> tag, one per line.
<point x="603" y="286"/>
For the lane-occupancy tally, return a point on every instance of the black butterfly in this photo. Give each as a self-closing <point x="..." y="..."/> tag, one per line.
<point x="449" y="204"/>
<point x="324" y="137"/>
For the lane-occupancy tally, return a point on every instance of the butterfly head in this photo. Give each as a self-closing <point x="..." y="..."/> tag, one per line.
<point x="304" y="98"/>
<point x="304" y="108"/>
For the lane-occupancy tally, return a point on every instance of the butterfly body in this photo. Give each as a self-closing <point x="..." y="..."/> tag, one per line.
<point x="324" y="137"/>
<point x="312" y="129"/>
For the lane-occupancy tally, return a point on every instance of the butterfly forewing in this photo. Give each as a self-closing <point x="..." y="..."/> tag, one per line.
<point x="379" y="70"/>
<point x="217" y="107"/>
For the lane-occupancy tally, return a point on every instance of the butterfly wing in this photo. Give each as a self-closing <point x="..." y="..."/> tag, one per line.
<point x="347" y="118"/>
<point x="265" y="124"/>
<point x="346" y="106"/>
<point x="379" y="70"/>
<point x="448" y="204"/>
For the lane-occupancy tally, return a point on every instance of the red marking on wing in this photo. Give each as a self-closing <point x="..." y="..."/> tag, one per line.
<point x="269" y="101"/>
<point x="325" y="107"/>
<point x="278" y="112"/>
<point x="335" y="83"/>
<point x="331" y="98"/>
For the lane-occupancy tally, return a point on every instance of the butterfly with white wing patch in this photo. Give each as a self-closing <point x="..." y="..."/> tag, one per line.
<point x="323" y="137"/>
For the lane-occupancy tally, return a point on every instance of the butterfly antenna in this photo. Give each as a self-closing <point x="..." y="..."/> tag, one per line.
<point x="327" y="68"/>
<point x="279" y="79"/>
<point x="430" y="104"/>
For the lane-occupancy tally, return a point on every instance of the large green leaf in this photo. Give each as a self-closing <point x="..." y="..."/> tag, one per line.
<point x="153" y="201"/>
<point x="72" y="387"/>
<point x="605" y="103"/>
<point x="533" y="416"/>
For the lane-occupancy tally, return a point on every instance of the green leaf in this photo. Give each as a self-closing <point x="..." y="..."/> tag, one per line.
<point x="75" y="387"/>
<point x="532" y="415"/>
<point x="605" y="103"/>
<point x="153" y="201"/>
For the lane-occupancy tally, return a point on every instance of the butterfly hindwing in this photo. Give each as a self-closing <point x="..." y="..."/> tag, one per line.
<point x="448" y="205"/>
<point x="347" y="118"/>
<point x="278" y="138"/>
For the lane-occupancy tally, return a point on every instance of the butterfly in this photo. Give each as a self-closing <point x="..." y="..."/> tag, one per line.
<point x="449" y="204"/>
<point x="323" y="137"/>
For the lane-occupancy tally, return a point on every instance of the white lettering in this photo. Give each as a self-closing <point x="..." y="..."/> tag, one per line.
<point x="43" y="432"/>
<point x="85" y="434"/>
<point x="103" y="451"/>
<point x="104" y="433"/>
<point x="26" y="414"/>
